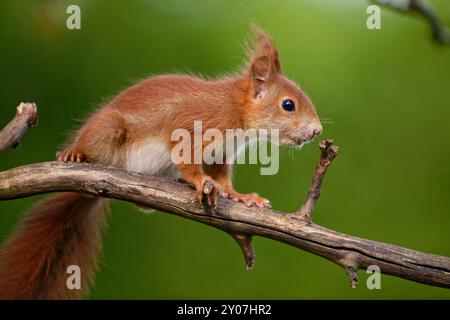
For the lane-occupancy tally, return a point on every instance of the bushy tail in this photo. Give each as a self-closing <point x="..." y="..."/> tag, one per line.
<point x="61" y="231"/>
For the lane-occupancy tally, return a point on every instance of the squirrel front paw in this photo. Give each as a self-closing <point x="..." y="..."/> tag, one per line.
<point x="70" y="155"/>
<point x="208" y="190"/>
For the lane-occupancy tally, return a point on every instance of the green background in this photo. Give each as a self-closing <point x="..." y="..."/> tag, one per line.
<point x="384" y="95"/>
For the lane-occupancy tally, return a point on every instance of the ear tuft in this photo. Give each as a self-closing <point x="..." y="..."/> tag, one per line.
<point x="264" y="60"/>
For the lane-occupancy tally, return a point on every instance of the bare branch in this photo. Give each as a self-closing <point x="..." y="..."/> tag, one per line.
<point x="26" y="117"/>
<point x="328" y="153"/>
<point x="350" y="252"/>
<point x="245" y="242"/>
<point x="350" y="265"/>
<point x="353" y="278"/>
<point x="439" y="32"/>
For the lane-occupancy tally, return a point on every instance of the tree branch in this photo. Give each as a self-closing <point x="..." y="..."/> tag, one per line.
<point x="26" y="117"/>
<point x="328" y="153"/>
<point x="350" y="252"/>
<point x="439" y="32"/>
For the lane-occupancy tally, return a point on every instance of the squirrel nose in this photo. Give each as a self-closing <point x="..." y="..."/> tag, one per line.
<point x="316" y="129"/>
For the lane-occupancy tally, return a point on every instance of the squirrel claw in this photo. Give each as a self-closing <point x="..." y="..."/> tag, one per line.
<point x="208" y="191"/>
<point x="70" y="155"/>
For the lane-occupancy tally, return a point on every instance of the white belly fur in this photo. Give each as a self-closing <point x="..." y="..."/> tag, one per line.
<point x="151" y="157"/>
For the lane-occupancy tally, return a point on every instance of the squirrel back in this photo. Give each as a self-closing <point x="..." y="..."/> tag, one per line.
<point x="58" y="232"/>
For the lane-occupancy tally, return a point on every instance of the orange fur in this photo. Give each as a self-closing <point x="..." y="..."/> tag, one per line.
<point x="61" y="231"/>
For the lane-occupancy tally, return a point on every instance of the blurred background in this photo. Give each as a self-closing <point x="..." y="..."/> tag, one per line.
<point x="384" y="96"/>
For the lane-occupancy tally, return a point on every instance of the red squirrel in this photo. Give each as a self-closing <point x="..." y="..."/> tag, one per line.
<point x="133" y="132"/>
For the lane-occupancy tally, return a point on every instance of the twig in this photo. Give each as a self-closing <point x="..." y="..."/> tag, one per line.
<point x="26" y="117"/>
<point x="246" y="244"/>
<point x="350" y="252"/>
<point x="439" y="32"/>
<point x="328" y="153"/>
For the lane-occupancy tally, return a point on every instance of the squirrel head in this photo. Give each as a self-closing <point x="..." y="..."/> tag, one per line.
<point x="275" y="102"/>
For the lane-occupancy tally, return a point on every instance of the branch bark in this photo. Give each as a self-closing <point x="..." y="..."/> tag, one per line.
<point x="25" y="118"/>
<point x="352" y="253"/>
<point x="439" y="32"/>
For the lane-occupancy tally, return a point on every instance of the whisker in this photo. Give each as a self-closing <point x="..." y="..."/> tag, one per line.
<point x="325" y="109"/>
<point x="319" y="77"/>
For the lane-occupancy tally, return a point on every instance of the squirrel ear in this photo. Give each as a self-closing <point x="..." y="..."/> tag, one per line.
<point x="264" y="60"/>
<point x="261" y="69"/>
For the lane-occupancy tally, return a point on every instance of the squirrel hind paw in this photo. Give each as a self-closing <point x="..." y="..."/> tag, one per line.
<point x="70" y="156"/>
<point x="250" y="200"/>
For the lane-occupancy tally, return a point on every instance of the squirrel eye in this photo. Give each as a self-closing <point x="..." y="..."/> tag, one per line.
<point x="288" y="105"/>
